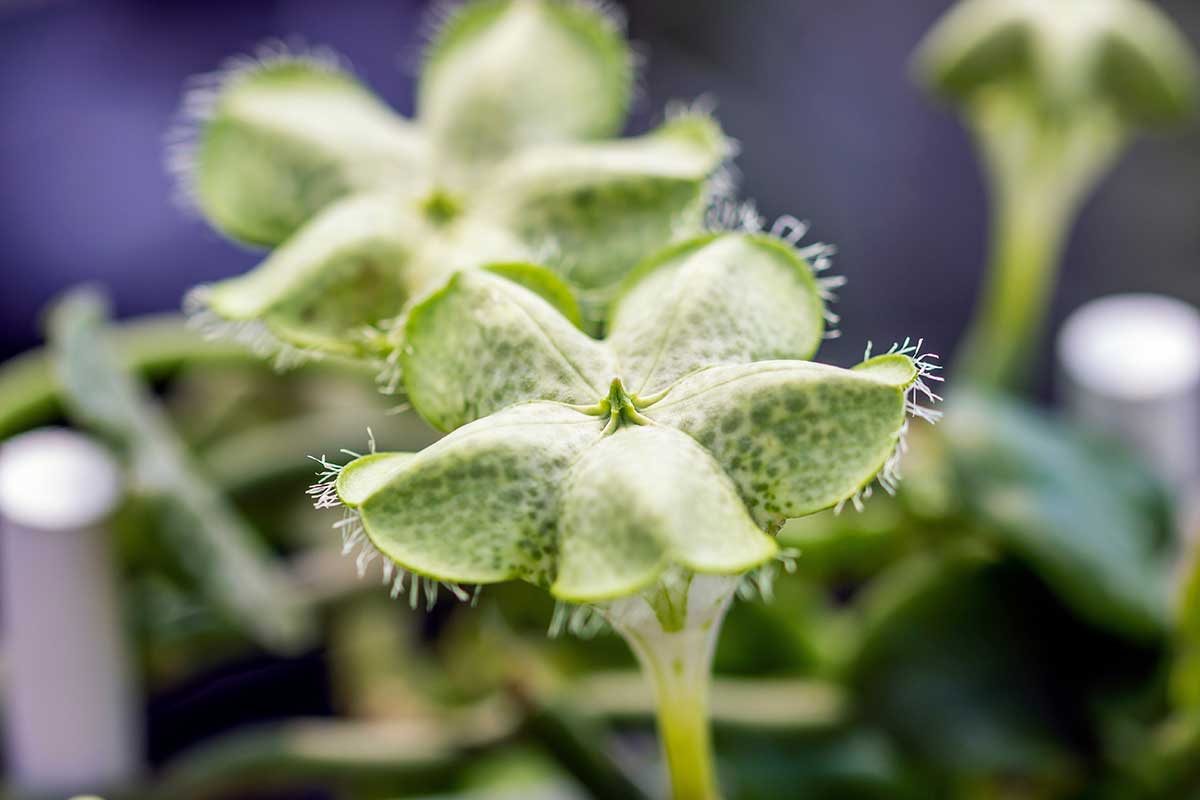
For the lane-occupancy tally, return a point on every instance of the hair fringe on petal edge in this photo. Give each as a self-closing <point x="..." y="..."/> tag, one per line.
<point x="584" y="621"/>
<point x="444" y="14"/>
<point x="729" y="214"/>
<point x="760" y="582"/>
<point x="251" y="334"/>
<point x="400" y="581"/>
<point x="202" y="93"/>
<point x="927" y="369"/>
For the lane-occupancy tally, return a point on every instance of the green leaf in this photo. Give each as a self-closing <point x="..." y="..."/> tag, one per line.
<point x="356" y="265"/>
<point x="152" y="345"/>
<point x="600" y="207"/>
<point x="483" y="343"/>
<point x="287" y="136"/>
<point x="642" y="499"/>
<point x="724" y="299"/>
<point x="1060" y="502"/>
<point x="505" y="74"/>
<point x="208" y="537"/>
<point x="480" y="505"/>
<point x="796" y="437"/>
<point x="961" y="664"/>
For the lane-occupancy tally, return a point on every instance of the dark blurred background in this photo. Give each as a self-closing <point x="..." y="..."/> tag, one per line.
<point x="832" y="129"/>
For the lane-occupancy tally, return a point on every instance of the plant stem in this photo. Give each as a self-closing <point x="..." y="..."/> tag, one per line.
<point x="1041" y="167"/>
<point x="1028" y="237"/>
<point x="673" y="632"/>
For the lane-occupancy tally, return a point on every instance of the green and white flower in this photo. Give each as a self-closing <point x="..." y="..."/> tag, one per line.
<point x="593" y="468"/>
<point x="509" y="158"/>
<point x="641" y="478"/>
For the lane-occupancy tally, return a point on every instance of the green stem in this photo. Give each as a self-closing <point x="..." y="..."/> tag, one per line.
<point x="684" y="728"/>
<point x="151" y="346"/>
<point x="1028" y="236"/>
<point x="1041" y="167"/>
<point x="673" y="632"/>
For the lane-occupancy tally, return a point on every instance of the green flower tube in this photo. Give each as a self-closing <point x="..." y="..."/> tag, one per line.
<point x="1053" y="91"/>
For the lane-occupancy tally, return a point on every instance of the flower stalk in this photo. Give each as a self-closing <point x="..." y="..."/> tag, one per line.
<point x="1040" y="168"/>
<point x="1053" y="93"/>
<point x="673" y="630"/>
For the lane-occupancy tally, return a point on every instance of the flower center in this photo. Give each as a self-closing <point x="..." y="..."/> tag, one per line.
<point x="620" y="407"/>
<point x="440" y="207"/>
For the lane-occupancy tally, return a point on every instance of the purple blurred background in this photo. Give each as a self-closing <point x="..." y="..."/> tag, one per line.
<point x="832" y="129"/>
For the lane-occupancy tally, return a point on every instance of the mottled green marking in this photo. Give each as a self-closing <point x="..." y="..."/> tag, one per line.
<point x="723" y="300"/>
<point x="483" y="343"/>
<point x="481" y="505"/>
<point x="645" y="498"/>
<point x="796" y="437"/>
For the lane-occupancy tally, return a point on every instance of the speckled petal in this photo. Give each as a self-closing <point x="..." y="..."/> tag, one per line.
<point x="726" y="299"/>
<point x="597" y="209"/>
<point x="644" y="498"/>
<point x="358" y="263"/>
<point x="483" y="343"/>
<point x="796" y="437"/>
<point x="504" y="74"/>
<point x="285" y="138"/>
<point x="480" y="506"/>
<point x="347" y="269"/>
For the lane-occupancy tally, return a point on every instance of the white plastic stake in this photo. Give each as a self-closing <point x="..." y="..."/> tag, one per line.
<point x="1130" y="367"/>
<point x="71" y="720"/>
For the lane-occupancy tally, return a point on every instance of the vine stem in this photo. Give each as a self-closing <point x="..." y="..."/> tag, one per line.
<point x="1041" y="166"/>
<point x="673" y="631"/>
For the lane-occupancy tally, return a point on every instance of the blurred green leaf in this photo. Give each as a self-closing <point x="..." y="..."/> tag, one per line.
<point x="207" y="537"/>
<point x="841" y="764"/>
<point x="1084" y="515"/>
<point x="1185" y="671"/>
<point x="404" y="756"/>
<point x="150" y="345"/>
<point x="952" y="662"/>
